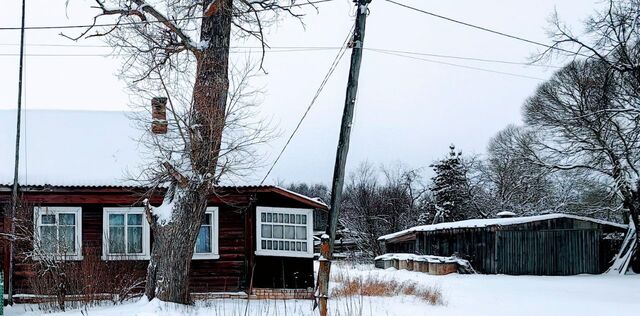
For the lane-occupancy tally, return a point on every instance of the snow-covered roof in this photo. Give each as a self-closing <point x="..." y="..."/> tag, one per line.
<point x="70" y="148"/>
<point x="414" y="257"/>
<point x="63" y="148"/>
<point x="472" y="223"/>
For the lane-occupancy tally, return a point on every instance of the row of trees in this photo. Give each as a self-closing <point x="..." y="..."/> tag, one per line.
<point x="389" y="198"/>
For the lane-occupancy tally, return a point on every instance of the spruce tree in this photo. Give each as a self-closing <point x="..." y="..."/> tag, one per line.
<point x="450" y="189"/>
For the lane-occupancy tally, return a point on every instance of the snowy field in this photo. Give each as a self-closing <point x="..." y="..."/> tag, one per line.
<point x="496" y="295"/>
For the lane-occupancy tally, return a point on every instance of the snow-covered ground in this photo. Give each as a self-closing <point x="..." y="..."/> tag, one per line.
<point x="496" y="295"/>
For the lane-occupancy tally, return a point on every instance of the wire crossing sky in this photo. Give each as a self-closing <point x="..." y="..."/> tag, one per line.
<point x="426" y="82"/>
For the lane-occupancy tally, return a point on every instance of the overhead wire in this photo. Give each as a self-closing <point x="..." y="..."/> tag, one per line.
<point x="48" y="27"/>
<point x="332" y="68"/>
<point x="282" y="49"/>
<point x="399" y="53"/>
<point x="497" y="61"/>
<point x="486" y="29"/>
<point x="128" y="54"/>
<point x="462" y="66"/>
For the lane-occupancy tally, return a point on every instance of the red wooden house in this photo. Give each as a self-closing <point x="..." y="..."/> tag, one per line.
<point x="72" y="187"/>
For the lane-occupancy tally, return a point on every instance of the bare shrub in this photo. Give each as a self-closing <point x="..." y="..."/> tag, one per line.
<point x="85" y="283"/>
<point x="375" y="286"/>
<point x="410" y="289"/>
<point x="61" y="280"/>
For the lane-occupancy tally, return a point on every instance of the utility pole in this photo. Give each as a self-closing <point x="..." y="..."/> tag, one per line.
<point x="328" y="240"/>
<point x="14" y="192"/>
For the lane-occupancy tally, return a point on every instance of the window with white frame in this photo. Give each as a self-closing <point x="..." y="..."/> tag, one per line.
<point x="126" y="234"/>
<point x="285" y="232"/>
<point x="207" y="241"/>
<point x="58" y="232"/>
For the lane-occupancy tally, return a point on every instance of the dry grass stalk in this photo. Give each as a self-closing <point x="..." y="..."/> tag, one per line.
<point x="373" y="286"/>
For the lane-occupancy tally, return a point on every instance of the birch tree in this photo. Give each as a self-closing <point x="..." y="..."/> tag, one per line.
<point x="180" y="49"/>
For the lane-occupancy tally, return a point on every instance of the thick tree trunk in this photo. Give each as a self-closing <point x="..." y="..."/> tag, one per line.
<point x="173" y="246"/>
<point x="630" y="198"/>
<point x="631" y="202"/>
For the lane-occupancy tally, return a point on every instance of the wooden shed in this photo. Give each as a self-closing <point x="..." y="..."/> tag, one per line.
<point x="553" y="244"/>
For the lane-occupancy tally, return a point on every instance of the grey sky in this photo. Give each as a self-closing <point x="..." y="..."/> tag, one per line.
<point x="408" y="110"/>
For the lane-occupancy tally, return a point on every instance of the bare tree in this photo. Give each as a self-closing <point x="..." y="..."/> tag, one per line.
<point x="362" y="213"/>
<point x="611" y="36"/>
<point x="611" y="39"/>
<point x="582" y="124"/>
<point x="316" y="190"/>
<point x="514" y="182"/>
<point x="375" y="206"/>
<point x="180" y="49"/>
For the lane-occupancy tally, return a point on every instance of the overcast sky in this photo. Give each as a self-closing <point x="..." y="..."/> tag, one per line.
<point x="408" y="110"/>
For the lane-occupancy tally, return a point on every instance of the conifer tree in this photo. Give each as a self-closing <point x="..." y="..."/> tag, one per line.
<point x="450" y="189"/>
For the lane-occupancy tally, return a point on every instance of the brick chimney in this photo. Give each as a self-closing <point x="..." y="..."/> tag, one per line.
<point x="159" y="115"/>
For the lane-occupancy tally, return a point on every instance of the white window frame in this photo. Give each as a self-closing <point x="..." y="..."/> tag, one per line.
<point x="284" y="253"/>
<point x="146" y="233"/>
<point x="214" y="254"/>
<point x="56" y="210"/>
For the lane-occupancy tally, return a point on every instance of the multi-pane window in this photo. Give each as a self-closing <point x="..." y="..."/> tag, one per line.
<point x="284" y="232"/>
<point x="58" y="231"/>
<point x="126" y="233"/>
<point x="207" y="241"/>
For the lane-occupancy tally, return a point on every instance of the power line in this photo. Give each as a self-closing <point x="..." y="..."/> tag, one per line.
<point x="332" y="68"/>
<point x="110" y="46"/>
<point x="462" y="66"/>
<point x="497" y="61"/>
<point x="128" y="54"/>
<point x="482" y="28"/>
<point x="48" y="27"/>
<point x="399" y="53"/>
<point x="55" y="45"/>
<point x="283" y="49"/>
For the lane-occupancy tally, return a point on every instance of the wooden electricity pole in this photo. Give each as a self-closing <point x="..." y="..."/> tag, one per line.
<point x="14" y="191"/>
<point x="328" y="240"/>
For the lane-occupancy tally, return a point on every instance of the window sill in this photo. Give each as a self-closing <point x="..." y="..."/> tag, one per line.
<point x="274" y="253"/>
<point x="61" y="258"/>
<point x="125" y="257"/>
<point x="205" y="256"/>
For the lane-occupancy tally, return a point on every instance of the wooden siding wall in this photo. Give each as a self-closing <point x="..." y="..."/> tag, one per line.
<point x="276" y="272"/>
<point x="228" y="273"/>
<point x="551" y="247"/>
<point x="401" y="247"/>
<point x="231" y="272"/>
<point x="548" y="252"/>
<point x="475" y="245"/>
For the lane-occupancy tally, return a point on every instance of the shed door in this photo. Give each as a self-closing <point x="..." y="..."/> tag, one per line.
<point x="548" y="252"/>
